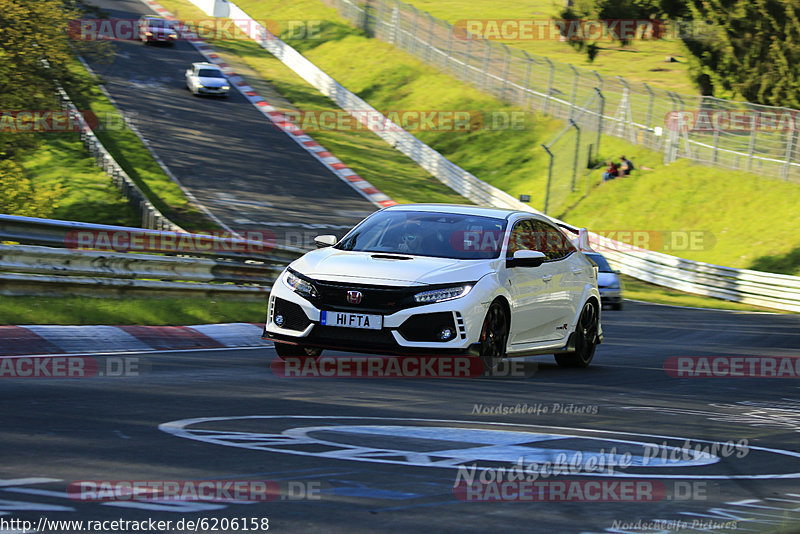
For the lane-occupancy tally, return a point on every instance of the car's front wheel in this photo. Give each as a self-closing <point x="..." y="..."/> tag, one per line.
<point x="494" y="336"/>
<point x="585" y="339"/>
<point x="297" y="352"/>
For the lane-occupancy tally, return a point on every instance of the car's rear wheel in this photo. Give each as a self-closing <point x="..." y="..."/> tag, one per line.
<point x="494" y="335"/>
<point x="297" y="352"/>
<point x="585" y="339"/>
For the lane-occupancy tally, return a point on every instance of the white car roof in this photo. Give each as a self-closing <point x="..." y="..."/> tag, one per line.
<point x="204" y="65"/>
<point x="497" y="213"/>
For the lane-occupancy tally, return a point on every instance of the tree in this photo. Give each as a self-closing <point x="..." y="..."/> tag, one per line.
<point x="755" y="51"/>
<point x="19" y="196"/>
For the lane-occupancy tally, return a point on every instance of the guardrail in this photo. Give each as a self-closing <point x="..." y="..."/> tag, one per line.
<point x="756" y="288"/>
<point x="186" y="264"/>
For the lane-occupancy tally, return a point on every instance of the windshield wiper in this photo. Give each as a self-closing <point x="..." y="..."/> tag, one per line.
<point x="390" y="257"/>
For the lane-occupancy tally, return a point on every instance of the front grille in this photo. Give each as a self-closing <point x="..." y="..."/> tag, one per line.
<point x="294" y="318"/>
<point x="384" y="300"/>
<point x="426" y="326"/>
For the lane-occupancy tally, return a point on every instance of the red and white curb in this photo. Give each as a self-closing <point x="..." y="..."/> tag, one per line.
<point x="334" y="164"/>
<point x="56" y="339"/>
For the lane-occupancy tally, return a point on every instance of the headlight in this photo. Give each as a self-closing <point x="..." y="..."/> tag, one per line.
<point x="200" y="85"/>
<point x="174" y="35"/>
<point x="299" y="286"/>
<point x="440" y="295"/>
<point x="226" y="87"/>
<point x="149" y="34"/>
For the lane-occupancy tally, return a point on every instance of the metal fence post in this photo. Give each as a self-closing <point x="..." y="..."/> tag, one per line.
<point x="467" y="57"/>
<point x="413" y="45"/>
<point x="448" y="55"/>
<point x="429" y="51"/>
<point x="790" y="141"/>
<point x="549" y="178"/>
<point x="574" y="91"/>
<point x="486" y="60"/>
<point x="506" y="67"/>
<point x="751" y="147"/>
<point x="527" y="86"/>
<point x="577" y="153"/>
<point x="546" y="106"/>
<point x="600" y="117"/>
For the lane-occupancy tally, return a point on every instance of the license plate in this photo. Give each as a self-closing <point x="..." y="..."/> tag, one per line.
<point x="351" y="320"/>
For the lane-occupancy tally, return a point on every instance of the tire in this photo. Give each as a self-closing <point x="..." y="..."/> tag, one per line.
<point x="297" y="352"/>
<point x="585" y="339"/>
<point x="494" y="336"/>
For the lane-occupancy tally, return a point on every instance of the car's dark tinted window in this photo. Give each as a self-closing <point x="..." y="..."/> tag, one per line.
<point x="539" y="236"/>
<point x="601" y="262"/>
<point x="210" y="73"/>
<point x="419" y="233"/>
<point x="555" y="244"/>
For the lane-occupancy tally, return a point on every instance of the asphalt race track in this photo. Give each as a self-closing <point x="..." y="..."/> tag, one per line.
<point x="247" y="172"/>
<point x="377" y="455"/>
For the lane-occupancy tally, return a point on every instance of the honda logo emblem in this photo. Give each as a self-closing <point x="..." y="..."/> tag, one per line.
<point x="354" y="297"/>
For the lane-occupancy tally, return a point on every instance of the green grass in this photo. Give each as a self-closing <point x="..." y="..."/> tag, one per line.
<point x="87" y="194"/>
<point x="129" y="151"/>
<point x="133" y="310"/>
<point x="641" y="61"/>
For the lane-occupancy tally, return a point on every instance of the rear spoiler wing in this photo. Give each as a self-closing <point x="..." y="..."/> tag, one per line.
<point x="581" y="239"/>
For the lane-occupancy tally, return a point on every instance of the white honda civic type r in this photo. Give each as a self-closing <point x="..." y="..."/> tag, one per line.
<point x="441" y="279"/>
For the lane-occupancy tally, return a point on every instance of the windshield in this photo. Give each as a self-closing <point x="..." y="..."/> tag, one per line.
<point x="158" y="23"/>
<point x="439" y="235"/>
<point x="210" y="73"/>
<point x="601" y="262"/>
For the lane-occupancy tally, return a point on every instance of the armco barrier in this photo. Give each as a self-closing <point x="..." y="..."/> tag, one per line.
<point x="62" y="234"/>
<point x="186" y="264"/>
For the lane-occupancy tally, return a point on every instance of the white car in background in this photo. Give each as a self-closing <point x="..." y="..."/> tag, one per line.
<point x="207" y="79"/>
<point x="608" y="282"/>
<point x="443" y="279"/>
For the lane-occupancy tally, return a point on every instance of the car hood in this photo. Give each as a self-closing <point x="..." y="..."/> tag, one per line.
<point x="333" y="265"/>
<point x="606" y="279"/>
<point x="212" y="82"/>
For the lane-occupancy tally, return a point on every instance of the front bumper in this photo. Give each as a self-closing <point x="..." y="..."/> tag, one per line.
<point x="212" y="91"/>
<point x="408" y="330"/>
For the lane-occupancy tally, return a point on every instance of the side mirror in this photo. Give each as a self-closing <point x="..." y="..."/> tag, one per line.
<point x="526" y="258"/>
<point x="323" y="241"/>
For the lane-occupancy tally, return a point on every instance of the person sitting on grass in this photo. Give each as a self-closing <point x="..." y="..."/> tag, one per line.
<point x="626" y="166"/>
<point x="611" y="172"/>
